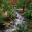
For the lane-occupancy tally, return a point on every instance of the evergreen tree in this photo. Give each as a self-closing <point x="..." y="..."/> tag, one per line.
<point x="20" y="3"/>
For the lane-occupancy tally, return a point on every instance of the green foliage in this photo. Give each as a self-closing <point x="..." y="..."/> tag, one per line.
<point x="0" y="2"/>
<point x="29" y="6"/>
<point x="20" y="4"/>
<point x="4" y="6"/>
<point x="28" y="14"/>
